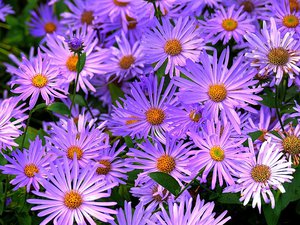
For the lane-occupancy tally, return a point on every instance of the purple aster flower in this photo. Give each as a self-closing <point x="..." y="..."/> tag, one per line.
<point x="115" y="9"/>
<point x="184" y="118"/>
<point x="173" y="43"/>
<point x="286" y="19"/>
<point x="259" y="175"/>
<point x="29" y="166"/>
<point x="82" y="13"/>
<point x="288" y="142"/>
<point x="227" y="23"/>
<point x="127" y="60"/>
<point x="221" y="90"/>
<point x="43" y="21"/>
<point x="111" y="167"/>
<point x="70" y="137"/>
<point x="5" y="10"/>
<point x="254" y="8"/>
<point x="187" y="213"/>
<point x="171" y="158"/>
<point x="11" y="121"/>
<point x="38" y="77"/>
<point x="144" y="111"/>
<point x="63" y="59"/>
<point x="217" y="152"/>
<point x="71" y="195"/>
<point x="75" y="44"/>
<point x="263" y="122"/>
<point x="273" y="54"/>
<point x="149" y="192"/>
<point x="138" y="217"/>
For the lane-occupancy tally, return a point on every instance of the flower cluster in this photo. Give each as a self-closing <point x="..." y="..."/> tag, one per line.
<point x="126" y="110"/>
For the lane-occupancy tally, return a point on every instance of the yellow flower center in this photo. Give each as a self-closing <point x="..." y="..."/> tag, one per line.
<point x="126" y="62"/>
<point x="50" y="27"/>
<point x="39" y="81"/>
<point x="104" y="170"/>
<point x="71" y="151"/>
<point x="291" y="145"/>
<point x="87" y="17"/>
<point x="155" y="116"/>
<point x="72" y="200"/>
<point x="278" y="56"/>
<point x="217" y="92"/>
<point x="30" y="170"/>
<point x="248" y="6"/>
<point x="294" y="5"/>
<point x="261" y="173"/>
<point x="131" y="22"/>
<point x="217" y="153"/>
<point x="195" y="116"/>
<point x="165" y="164"/>
<point x="229" y="24"/>
<point x="121" y="4"/>
<point x="173" y="47"/>
<point x="72" y="62"/>
<point x="290" y="21"/>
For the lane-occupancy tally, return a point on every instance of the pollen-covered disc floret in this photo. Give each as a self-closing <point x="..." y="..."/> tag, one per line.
<point x="72" y="62"/>
<point x="30" y="170"/>
<point x="126" y="61"/>
<point x="173" y="47"/>
<point x="278" y="56"/>
<point x="39" y="81"/>
<point x="229" y="24"/>
<point x="155" y="116"/>
<point x="104" y="168"/>
<point x="291" y="145"/>
<point x="72" y="199"/>
<point x="74" y="149"/>
<point x="290" y="21"/>
<point x="87" y="17"/>
<point x="217" y="153"/>
<point x="261" y="173"/>
<point x="166" y="164"/>
<point x="217" y="92"/>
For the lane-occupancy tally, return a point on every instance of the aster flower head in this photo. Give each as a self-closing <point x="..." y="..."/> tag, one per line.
<point x="29" y="166"/>
<point x="288" y="142"/>
<point x="5" y="10"/>
<point x="263" y="173"/>
<point x="111" y="167"/>
<point x="185" y="117"/>
<point x="217" y="152"/>
<point x="226" y="24"/>
<point x="11" y="121"/>
<point x="127" y="60"/>
<point x="128" y="217"/>
<point x="286" y="19"/>
<point x="144" y="110"/>
<point x="185" y="213"/>
<point x="272" y="53"/>
<point x="75" y="44"/>
<point x="171" y="158"/>
<point x="38" y="77"/>
<point x="43" y="21"/>
<point x="219" y="89"/>
<point x="70" y="196"/>
<point x="78" y="137"/>
<point x="65" y="60"/>
<point x="175" y="44"/>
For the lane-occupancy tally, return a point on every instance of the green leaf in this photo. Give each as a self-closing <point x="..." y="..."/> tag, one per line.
<point x="31" y="135"/>
<point x="115" y="92"/>
<point x="255" y="135"/>
<point x="167" y="181"/>
<point x="268" y="98"/>
<point x="229" y="198"/>
<point x="38" y="107"/>
<point x="79" y="100"/>
<point x="81" y="62"/>
<point x="59" y="107"/>
<point x="128" y="142"/>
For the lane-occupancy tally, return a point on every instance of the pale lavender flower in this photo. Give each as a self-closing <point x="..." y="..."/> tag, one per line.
<point x="5" y="10"/>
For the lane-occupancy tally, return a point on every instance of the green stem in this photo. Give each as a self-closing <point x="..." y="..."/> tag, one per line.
<point x="277" y="108"/>
<point x="26" y="129"/>
<point x="5" y="192"/>
<point x="157" y="12"/>
<point x="186" y="186"/>
<point x="89" y="109"/>
<point x="4" y="25"/>
<point x="76" y="82"/>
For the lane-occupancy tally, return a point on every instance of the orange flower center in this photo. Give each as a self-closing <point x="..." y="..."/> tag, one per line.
<point x="30" y="170"/>
<point x="166" y="164"/>
<point x="104" y="170"/>
<point x="217" y="153"/>
<point x="50" y="27"/>
<point x="72" y="200"/>
<point x="261" y="173"/>
<point x="229" y="24"/>
<point x="217" y="92"/>
<point x="71" y="151"/>
<point x="155" y="116"/>
<point x="173" y="47"/>
<point x="87" y="17"/>
<point x="126" y="62"/>
<point x="39" y="81"/>
<point x="72" y="62"/>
